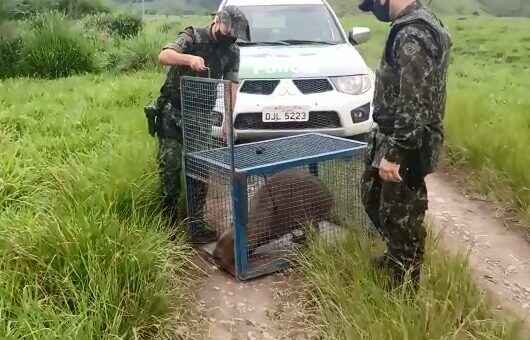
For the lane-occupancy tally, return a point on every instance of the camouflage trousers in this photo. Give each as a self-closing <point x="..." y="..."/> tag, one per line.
<point x="397" y="211"/>
<point x="170" y="159"/>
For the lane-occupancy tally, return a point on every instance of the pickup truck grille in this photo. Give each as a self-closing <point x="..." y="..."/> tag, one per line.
<point x="265" y="87"/>
<point x="317" y="120"/>
<point x="309" y="86"/>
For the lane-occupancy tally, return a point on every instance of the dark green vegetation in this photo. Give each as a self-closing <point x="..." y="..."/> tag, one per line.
<point x="171" y="7"/>
<point x="18" y="9"/>
<point x="53" y="45"/>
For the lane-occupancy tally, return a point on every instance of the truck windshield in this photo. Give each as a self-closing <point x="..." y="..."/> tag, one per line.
<point x="292" y="24"/>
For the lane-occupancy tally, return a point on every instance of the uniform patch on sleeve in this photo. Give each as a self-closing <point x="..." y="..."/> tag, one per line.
<point x="410" y="48"/>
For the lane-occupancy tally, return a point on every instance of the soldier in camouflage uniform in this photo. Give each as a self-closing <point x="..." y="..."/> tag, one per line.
<point x="202" y="52"/>
<point x="409" y="106"/>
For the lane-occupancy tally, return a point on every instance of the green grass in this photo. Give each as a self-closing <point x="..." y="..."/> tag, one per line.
<point x="84" y="253"/>
<point x="487" y="117"/>
<point x="52" y="45"/>
<point x="488" y="113"/>
<point x="347" y="299"/>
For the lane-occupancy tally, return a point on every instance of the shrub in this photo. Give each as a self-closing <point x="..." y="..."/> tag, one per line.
<point x="73" y="8"/>
<point x="10" y="56"/>
<point x="126" y="25"/>
<point x="140" y="53"/>
<point x="55" y="48"/>
<point x="121" y="25"/>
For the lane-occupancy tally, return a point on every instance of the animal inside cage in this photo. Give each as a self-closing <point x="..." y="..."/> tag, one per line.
<point x="262" y="199"/>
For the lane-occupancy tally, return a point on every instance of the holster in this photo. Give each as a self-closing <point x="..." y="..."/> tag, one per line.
<point x="153" y="118"/>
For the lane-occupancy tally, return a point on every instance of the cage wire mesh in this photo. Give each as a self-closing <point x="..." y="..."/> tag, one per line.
<point x="263" y="198"/>
<point x="205" y="107"/>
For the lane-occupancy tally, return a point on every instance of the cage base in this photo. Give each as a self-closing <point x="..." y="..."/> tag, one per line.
<point x="274" y="256"/>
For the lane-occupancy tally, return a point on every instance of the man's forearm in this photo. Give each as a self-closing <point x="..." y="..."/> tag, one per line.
<point x="233" y="97"/>
<point x="235" y="87"/>
<point x="170" y="57"/>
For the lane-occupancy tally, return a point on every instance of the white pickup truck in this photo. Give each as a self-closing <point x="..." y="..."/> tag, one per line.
<point x="300" y="72"/>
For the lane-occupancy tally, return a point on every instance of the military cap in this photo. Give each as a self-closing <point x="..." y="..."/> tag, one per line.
<point x="235" y="20"/>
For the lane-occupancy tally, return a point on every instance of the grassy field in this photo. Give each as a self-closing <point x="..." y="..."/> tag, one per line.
<point x="84" y="253"/>
<point x="487" y="119"/>
<point x="347" y="299"/>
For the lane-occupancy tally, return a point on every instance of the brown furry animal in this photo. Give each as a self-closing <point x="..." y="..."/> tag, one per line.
<point x="285" y="202"/>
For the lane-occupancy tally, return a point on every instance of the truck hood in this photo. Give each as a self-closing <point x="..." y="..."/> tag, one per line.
<point x="273" y="62"/>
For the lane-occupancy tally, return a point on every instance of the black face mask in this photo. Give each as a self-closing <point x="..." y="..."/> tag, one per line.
<point x="381" y="12"/>
<point x="224" y="39"/>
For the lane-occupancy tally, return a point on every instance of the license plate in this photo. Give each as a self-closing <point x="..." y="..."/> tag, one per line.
<point x="286" y="114"/>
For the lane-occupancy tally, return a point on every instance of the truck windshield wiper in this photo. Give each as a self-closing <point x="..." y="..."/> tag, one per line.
<point x="262" y="43"/>
<point x="308" y="42"/>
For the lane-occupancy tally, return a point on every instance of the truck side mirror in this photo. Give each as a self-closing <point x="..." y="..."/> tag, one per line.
<point x="359" y="35"/>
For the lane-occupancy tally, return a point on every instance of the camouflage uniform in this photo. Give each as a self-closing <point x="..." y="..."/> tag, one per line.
<point x="409" y="106"/>
<point x="164" y="116"/>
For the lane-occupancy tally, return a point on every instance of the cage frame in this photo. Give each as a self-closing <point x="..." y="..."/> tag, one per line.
<point x="238" y="182"/>
<point x="243" y="272"/>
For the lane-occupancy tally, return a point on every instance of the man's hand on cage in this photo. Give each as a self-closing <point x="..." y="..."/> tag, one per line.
<point x="389" y="172"/>
<point x="197" y="64"/>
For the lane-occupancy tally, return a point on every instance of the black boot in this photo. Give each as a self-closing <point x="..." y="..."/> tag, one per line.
<point x="200" y="232"/>
<point x="203" y="236"/>
<point x="397" y="272"/>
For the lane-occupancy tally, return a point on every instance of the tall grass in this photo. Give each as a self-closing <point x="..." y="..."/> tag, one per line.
<point x="17" y="9"/>
<point x="10" y="55"/>
<point x="52" y="45"/>
<point x="122" y="25"/>
<point x="141" y="52"/>
<point x="55" y="48"/>
<point x="348" y="298"/>
<point x="84" y="253"/>
<point x="488" y="120"/>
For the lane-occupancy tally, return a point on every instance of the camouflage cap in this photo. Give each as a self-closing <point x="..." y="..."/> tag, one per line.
<point x="235" y="20"/>
<point x="366" y="5"/>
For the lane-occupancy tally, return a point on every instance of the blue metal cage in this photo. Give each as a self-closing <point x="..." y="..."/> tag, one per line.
<point x="261" y="196"/>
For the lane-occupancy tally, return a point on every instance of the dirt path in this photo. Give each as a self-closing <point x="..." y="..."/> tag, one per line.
<point x="261" y="309"/>
<point x="499" y="257"/>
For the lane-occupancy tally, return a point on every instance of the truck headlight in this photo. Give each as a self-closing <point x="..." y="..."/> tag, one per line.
<point x="354" y="85"/>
